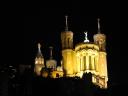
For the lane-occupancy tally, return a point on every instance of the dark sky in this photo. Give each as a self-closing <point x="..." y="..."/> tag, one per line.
<point x="43" y="22"/>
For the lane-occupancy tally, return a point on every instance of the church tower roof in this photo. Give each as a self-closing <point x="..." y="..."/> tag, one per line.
<point x="39" y="53"/>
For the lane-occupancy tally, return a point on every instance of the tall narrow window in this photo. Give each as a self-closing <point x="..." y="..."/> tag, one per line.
<point x="90" y="66"/>
<point x="80" y="65"/>
<point x="94" y="63"/>
<point x="68" y="43"/>
<point x="84" y="62"/>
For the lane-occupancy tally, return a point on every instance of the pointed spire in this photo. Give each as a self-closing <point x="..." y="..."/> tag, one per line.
<point x="51" y="48"/>
<point x="98" y="21"/>
<point x="66" y="27"/>
<point x="39" y="46"/>
<point x="86" y="37"/>
<point x="39" y="54"/>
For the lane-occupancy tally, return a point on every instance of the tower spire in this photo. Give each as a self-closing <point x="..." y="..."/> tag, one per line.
<point x="51" y="48"/>
<point x="66" y="27"/>
<point x="98" y="21"/>
<point x="39" y="54"/>
<point x="39" y="46"/>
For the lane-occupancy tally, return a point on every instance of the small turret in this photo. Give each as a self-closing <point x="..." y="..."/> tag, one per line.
<point x="51" y="63"/>
<point x="39" y="58"/>
<point x="39" y="61"/>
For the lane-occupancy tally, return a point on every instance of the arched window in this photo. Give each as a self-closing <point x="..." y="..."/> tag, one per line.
<point x="90" y="65"/>
<point x="80" y="65"/>
<point x="94" y="63"/>
<point x="68" y="42"/>
<point x="84" y="62"/>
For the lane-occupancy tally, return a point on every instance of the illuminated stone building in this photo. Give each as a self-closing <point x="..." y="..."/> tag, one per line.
<point x="39" y="61"/>
<point x="85" y="57"/>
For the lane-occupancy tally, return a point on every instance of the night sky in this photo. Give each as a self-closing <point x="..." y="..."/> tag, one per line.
<point x="44" y="22"/>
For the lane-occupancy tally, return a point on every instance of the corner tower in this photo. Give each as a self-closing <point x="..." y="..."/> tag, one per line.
<point x="67" y="50"/>
<point x="100" y="40"/>
<point x="39" y="61"/>
<point x="67" y="37"/>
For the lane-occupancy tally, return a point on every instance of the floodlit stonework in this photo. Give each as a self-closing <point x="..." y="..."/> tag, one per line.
<point x="85" y="57"/>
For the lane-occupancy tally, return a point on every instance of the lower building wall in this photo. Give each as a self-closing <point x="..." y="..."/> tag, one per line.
<point x="67" y="55"/>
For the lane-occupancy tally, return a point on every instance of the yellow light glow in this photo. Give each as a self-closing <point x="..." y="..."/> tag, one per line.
<point x="86" y="57"/>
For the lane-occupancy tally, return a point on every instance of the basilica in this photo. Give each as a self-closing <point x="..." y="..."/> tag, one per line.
<point x="85" y="57"/>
